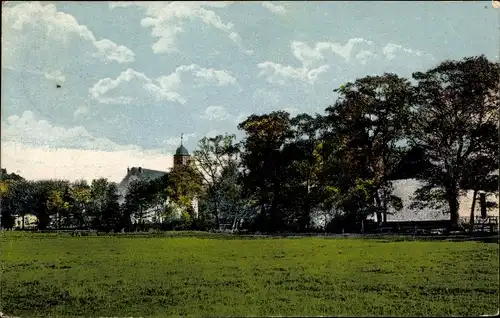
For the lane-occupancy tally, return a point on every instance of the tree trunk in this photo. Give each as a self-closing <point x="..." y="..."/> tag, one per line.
<point x="385" y="204"/>
<point x="384" y="188"/>
<point x="482" y="198"/>
<point x="379" y="206"/>
<point x="235" y="224"/>
<point x="217" y="221"/>
<point x="140" y="219"/>
<point x="472" y="210"/>
<point x="453" y="204"/>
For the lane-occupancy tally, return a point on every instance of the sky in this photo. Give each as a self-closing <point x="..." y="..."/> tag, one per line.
<point x="91" y="88"/>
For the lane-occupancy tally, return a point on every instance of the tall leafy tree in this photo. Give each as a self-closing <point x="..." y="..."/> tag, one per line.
<point x="40" y="196"/>
<point x="21" y="199"/>
<point x="137" y="201"/>
<point x="266" y="135"/>
<point x="59" y="204"/>
<point x="367" y="126"/>
<point x="157" y="189"/>
<point x="303" y="166"/>
<point x="112" y="213"/>
<point x="185" y="185"/>
<point x="455" y="121"/>
<point x="214" y="156"/>
<point x="80" y="193"/>
<point x="104" y="208"/>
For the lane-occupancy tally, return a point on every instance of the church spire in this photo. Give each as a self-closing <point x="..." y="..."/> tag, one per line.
<point x="181" y="156"/>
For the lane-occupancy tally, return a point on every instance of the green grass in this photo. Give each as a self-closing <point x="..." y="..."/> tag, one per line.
<point x="51" y="275"/>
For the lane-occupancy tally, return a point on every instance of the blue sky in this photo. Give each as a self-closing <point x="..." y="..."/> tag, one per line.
<point x="134" y="76"/>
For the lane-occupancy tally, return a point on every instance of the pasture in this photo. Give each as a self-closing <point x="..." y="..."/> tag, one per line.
<point x="54" y="275"/>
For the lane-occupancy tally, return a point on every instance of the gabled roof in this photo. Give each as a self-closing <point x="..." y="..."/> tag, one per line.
<point x="139" y="173"/>
<point x="148" y="174"/>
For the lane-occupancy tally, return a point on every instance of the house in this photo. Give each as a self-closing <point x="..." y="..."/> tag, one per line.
<point x="181" y="157"/>
<point x="405" y="189"/>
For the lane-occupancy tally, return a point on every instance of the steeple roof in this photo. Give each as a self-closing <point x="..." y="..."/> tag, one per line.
<point x="182" y="151"/>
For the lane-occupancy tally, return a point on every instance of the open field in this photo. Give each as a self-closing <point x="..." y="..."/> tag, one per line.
<point x="48" y="275"/>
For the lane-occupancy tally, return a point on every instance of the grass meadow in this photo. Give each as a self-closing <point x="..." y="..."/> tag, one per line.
<point x="54" y="275"/>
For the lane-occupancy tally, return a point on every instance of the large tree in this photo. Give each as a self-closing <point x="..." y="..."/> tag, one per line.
<point x="214" y="156"/>
<point x="303" y="165"/>
<point x="184" y="186"/>
<point x="40" y="195"/>
<point x="80" y="193"/>
<point x="104" y="207"/>
<point x="365" y="129"/>
<point x="138" y="200"/>
<point x="266" y="136"/>
<point x="235" y="205"/>
<point x="455" y="121"/>
<point x="59" y="203"/>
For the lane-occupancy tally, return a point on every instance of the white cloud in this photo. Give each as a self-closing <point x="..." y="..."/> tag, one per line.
<point x="50" y="38"/>
<point x="312" y="60"/>
<point x="274" y="8"/>
<point x="279" y="74"/>
<point x="217" y="77"/>
<point x="114" y="52"/>
<point x="129" y="87"/>
<point x="215" y="113"/>
<point x="307" y="54"/>
<point x="27" y="129"/>
<point x="167" y="18"/>
<point x="391" y="50"/>
<point x="37" y="150"/>
<point x="132" y="86"/>
<point x="37" y="162"/>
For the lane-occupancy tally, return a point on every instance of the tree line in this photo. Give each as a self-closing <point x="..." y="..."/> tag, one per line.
<point x="441" y="128"/>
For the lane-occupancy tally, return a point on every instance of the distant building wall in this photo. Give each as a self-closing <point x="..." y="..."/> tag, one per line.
<point x="30" y="222"/>
<point x="405" y="189"/>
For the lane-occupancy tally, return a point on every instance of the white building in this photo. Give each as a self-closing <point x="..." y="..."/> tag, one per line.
<point x="30" y="222"/>
<point x="405" y="189"/>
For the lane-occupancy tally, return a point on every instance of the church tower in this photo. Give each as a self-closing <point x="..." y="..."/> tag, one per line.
<point x="181" y="156"/>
